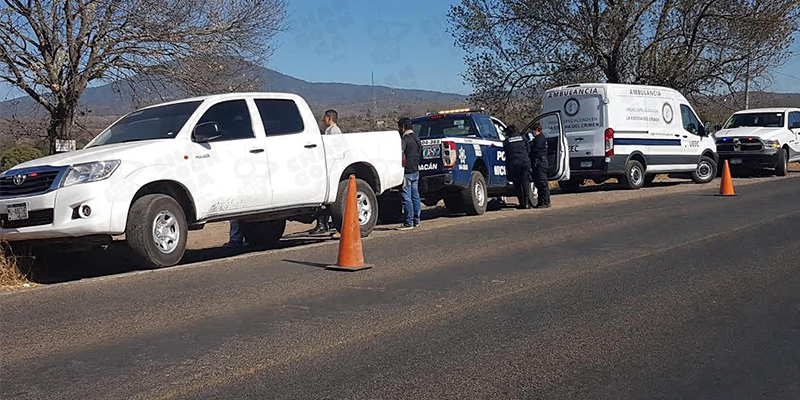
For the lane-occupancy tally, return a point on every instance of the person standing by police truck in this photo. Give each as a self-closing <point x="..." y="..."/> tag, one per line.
<point x="540" y="166"/>
<point x="518" y="162"/>
<point x="412" y="153"/>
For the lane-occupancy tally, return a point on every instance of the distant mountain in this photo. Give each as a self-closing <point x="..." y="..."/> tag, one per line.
<point x="113" y="100"/>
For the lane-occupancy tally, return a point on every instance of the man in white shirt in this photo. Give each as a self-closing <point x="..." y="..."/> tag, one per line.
<point x="330" y="120"/>
<point x="323" y="217"/>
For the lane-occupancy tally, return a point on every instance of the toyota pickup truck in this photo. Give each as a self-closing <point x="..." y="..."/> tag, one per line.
<point x="161" y="171"/>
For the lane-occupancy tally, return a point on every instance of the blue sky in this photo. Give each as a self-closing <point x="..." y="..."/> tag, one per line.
<point x="404" y="43"/>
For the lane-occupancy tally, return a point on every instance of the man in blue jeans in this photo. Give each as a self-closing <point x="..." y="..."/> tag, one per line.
<point x="412" y="152"/>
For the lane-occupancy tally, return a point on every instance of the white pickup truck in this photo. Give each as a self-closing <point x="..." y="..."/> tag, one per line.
<point x="163" y="170"/>
<point x="763" y="138"/>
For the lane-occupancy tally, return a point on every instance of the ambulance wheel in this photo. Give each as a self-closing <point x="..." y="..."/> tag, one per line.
<point x="368" y="208"/>
<point x="571" y="186"/>
<point x="782" y="166"/>
<point x="706" y="170"/>
<point x="634" y="176"/>
<point x="649" y="178"/>
<point x="265" y="234"/>
<point x="454" y="203"/>
<point x="476" y="196"/>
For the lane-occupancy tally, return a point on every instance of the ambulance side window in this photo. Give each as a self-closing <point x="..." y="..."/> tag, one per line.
<point x="486" y="127"/>
<point x="690" y="121"/>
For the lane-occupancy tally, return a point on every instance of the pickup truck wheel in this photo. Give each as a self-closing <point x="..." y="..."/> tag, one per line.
<point x="156" y="230"/>
<point x="368" y="208"/>
<point x="706" y="170"/>
<point x="634" y="176"/>
<point x="263" y="235"/>
<point x="782" y="166"/>
<point x="476" y="196"/>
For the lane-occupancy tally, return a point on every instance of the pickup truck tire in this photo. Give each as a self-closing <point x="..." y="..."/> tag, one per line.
<point x="265" y="234"/>
<point x="706" y="171"/>
<point x="156" y="230"/>
<point x="782" y="166"/>
<point x="634" y="176"/>
<point x="476" y="196"/>
<point x="368" y="208"/>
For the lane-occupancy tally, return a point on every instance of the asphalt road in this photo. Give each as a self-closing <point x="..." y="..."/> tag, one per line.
<point x="676" y="296"/>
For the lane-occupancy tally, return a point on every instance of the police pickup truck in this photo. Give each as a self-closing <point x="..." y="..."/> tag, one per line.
<point x="463" y="162"/>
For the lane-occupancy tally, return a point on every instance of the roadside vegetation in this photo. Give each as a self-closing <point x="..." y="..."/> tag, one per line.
<point x="11" y="275"/>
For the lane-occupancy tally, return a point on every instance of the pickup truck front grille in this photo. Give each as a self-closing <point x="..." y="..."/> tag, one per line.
<point x="744" y="144"/>
<point x="33" y="183"/>
<point x="35" y="218"/>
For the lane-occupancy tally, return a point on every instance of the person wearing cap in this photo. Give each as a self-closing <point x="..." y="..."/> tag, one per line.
<point x="330" y="119"/>
<point x="518" y="162"/>
<point x="540" y="166"/>
<point x="412" y="153"/>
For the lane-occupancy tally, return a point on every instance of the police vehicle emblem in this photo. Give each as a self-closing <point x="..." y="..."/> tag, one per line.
<point x="572" y="106"/>
<point x="19" y="179"/>
<point x="462" y="155"/>
<point x="666" y="112"/>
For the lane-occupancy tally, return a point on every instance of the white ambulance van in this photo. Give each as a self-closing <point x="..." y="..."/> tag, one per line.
<point x="631" y="133"/>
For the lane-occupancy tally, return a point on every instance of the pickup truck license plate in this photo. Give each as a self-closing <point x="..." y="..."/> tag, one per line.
<point x="586" y="164"/>
<point x="736" y="161"/>
<point x="17" y="212"/>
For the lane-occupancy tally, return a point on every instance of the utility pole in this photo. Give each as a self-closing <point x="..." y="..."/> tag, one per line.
<point x="747" y="82"/>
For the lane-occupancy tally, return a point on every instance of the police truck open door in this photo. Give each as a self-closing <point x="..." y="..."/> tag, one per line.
<point x="557" y="149"/>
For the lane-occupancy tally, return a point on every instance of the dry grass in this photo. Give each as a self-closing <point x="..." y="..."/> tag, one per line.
<point x="11" y="277"/>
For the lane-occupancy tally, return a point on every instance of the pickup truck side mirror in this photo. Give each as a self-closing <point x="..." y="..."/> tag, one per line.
<point x="206" y="132"/>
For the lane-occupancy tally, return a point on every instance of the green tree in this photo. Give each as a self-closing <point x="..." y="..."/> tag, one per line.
<point x="516" y="48"/>
<point x="17" y="155"/>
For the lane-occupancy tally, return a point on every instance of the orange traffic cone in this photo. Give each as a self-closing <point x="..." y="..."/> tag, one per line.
<point x="726" y="187"/>
<point x="351" y="254"/>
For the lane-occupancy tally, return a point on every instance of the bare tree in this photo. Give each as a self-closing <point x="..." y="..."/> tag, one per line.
<point x="53" y="49"/>
<point x="701" y="47"/>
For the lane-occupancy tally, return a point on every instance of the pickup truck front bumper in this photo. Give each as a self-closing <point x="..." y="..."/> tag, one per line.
<point x="766" y="158"/>
<point x="55" y="214"/>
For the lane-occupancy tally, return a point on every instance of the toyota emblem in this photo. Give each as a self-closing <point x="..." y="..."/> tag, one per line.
<point x="19" y="179"/>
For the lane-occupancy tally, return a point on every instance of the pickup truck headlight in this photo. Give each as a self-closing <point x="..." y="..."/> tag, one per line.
<point x="90" y="172"/>
<point x="772" y="144"/>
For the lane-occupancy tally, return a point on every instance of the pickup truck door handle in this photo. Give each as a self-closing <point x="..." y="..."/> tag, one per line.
<point x="310" y="146"/>
<point x="256" y="151"/>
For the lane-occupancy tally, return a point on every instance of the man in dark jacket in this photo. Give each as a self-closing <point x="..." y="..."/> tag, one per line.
<point x="540" y="166"/>
<point x="412" y="153"/>
<point x="518" y="163"/>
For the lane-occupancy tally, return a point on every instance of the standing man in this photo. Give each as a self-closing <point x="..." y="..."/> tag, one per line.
<point x="412" y="152"/>
<point x="540" y="166"/>
<point x="518" y="162"/>
<point x="330" y="120"/>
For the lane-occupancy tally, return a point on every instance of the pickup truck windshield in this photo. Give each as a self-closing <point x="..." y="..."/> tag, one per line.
<point x="436" y="127"/>
<point x="766" y="120"/>
<point x="162" y="122"/>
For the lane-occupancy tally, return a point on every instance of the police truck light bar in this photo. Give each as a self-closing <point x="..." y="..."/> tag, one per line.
<point x="460" y="111"/>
